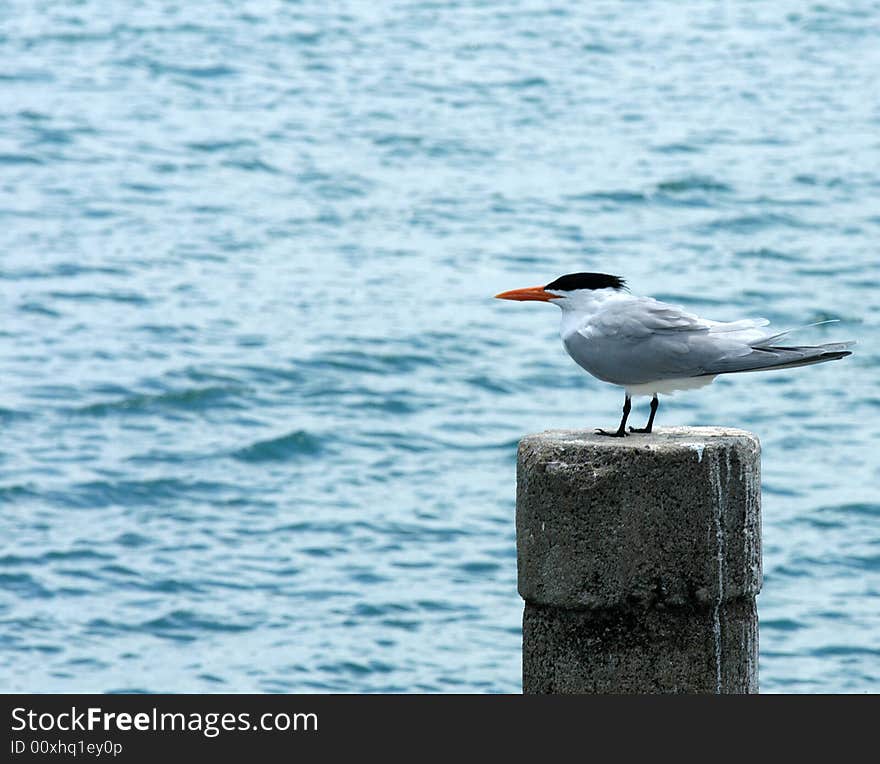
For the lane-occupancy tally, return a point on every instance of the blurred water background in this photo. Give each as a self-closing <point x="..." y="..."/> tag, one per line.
<point x="259" y="411"/>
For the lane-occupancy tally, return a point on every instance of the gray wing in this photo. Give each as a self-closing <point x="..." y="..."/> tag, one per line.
<point x="641" y="340"/>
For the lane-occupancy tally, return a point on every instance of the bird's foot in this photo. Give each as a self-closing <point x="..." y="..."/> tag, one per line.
<point x="615" y="434"/>
<point x="646" y="430"/>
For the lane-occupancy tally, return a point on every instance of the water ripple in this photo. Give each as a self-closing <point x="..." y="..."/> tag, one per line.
<point x="289" y="446"/>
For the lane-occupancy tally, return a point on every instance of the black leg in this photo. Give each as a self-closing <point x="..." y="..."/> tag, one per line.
<point x="621" y="431"/>
<point x="655" y="404"/>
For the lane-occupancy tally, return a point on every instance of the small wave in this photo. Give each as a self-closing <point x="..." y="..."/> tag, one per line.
<point x="398" y="623"/>
<point x="365" y="610"/>
<point x="435" y="606"/>
<point x="341" y="190"/>
<point x="357" y="669"/>
<point x="105" y="626"/>
<point x="407" y="146"/>
<point x="387" y="439"/>
<point x="398" y="141"/>
<point x="207" y="72"/>
<point x="781" y="624"/>
<point x="753" y="223"/>
<point x="619" y="197"/>
<point x="863" y="562"/>
<point x="72" y="37"/>
<point x="53" y="136"/>
<point x="123" y="297"/>
<point x="251" y="165"/>
<point x="37" y="309"/>
<point x="23" y="585"/>
<point x="371" y="363"/>
<point x="692" y="183"/>
<point x="812" y="180"/>
<point x="478" y="443"/>
<point x="845" y="650"/>
<point x="8" y="415"/>
<point x="165" y="586"/>
<point x="132" y="540"/>
<point x="185" y="625"/>
<point x="272" y="374"/>
<point x="19" y="159"/>
<point x="479" y="568"/>
<point x="491" y="384"/>
<point x="368" y="577"/>
<point x="290" y="446"/>
<point x="119" y="570"/>
<point x="75" y="554"/>
<point x="764" y="253"/>
<point x="9" y="492"/>
<point x="778" y="489"/>
<point x="677" y="148"/>
<point x="208" y="209"/>
<point x="422" y="533"/>
<point x="211" y="678"/>
<point x="127" y="493"/>
<point x="866" y="509"/>
<point x="390" y="404"/>
<point x="31" y="76"/>
<point x="212" y="147"/>
<point x="142" y="188"/>
<point x="84" y="662"/>
<point x="67" y="269"/>
<point x="191" y="399"/>
<point x="159" y="68"/>
<point x="297" y="38"/>
<point x="168" y="331"/>
<point x="62" y="270"/>
<point x="523" y="84"/>
<point x="128" y="691"/>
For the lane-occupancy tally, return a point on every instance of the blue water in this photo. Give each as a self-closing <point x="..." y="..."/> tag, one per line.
<point x="258" y="409"/>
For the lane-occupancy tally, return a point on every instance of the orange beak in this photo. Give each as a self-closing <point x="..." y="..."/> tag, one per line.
<point x="529" y="293"/>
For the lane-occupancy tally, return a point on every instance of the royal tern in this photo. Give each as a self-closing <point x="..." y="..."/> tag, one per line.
<point x="650" y="347"/>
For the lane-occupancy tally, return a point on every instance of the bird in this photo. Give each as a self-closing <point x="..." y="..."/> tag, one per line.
<point x="649" y="347"/>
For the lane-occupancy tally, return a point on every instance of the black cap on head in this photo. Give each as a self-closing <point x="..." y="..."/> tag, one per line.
<point x="573" y="281"/>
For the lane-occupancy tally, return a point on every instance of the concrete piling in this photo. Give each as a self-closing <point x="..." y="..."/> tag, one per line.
<point x="639" y="561"/>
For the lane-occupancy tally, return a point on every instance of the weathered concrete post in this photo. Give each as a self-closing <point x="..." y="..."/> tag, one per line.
<point x="639" y="561"/>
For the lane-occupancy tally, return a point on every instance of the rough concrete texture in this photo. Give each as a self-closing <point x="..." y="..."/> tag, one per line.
<point x="639" y="560"/>
<point x="673" y="517"/>
<point x="641" y="650"/>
